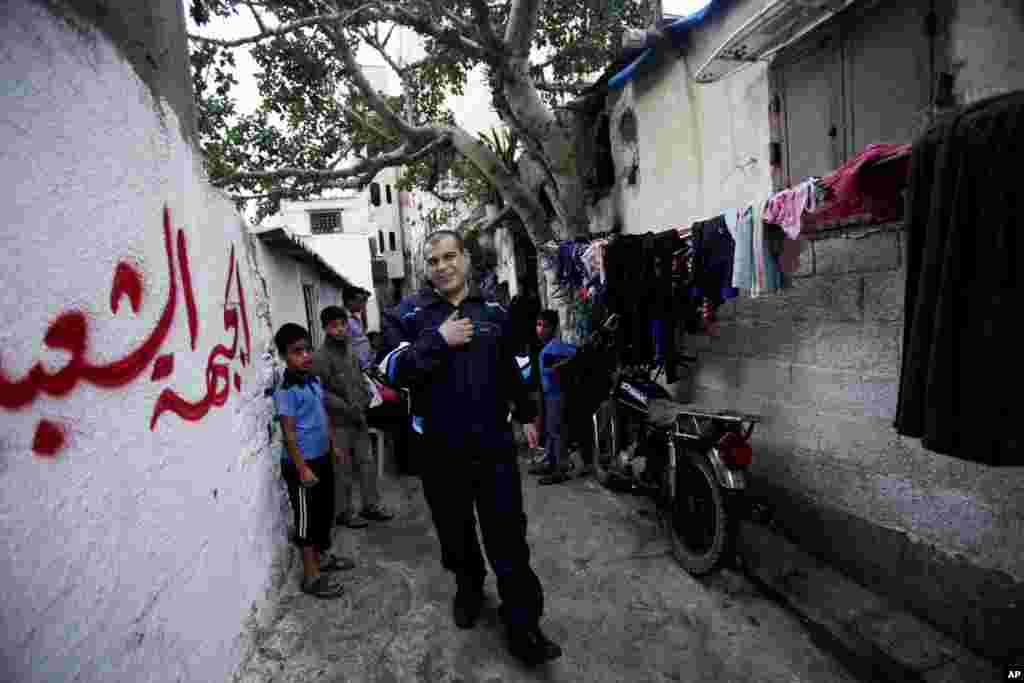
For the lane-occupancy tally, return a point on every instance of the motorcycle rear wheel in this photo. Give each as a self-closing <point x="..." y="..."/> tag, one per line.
<point x="699" y="520"/>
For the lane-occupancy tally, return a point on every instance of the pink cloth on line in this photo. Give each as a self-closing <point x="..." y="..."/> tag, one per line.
<point x="786" y="209"/>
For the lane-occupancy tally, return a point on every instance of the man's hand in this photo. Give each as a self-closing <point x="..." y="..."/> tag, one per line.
<point x="456" y="331"/>
<point x="306" y="476"/>
<point x="343" y="456"/>
<point x="531" y="434"/>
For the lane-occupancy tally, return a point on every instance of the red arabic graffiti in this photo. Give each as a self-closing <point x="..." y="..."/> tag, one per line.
<point x="70" y="332"/>
<point x="218" y="386"/>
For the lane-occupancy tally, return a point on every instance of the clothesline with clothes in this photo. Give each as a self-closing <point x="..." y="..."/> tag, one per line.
<point x="657" y="282"/>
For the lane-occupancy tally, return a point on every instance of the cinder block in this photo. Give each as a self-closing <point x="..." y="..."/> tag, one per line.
<point x="860" y="441"/>
<point x="834" y="297"/>
<point x="764" y="377"/>
<point x="884" y="296"/>
<point x="731" y="340"/>
<point x="717" y="373"/>
<point x="881" y="347"/>
<point x="874" y="253"/>
<point x="824" y="390"/>
<point x="807" y="264"/>
<point x="771" y="340"/>
<point x="838" y="346"/>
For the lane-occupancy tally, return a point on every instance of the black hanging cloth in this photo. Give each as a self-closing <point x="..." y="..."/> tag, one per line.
<point x="961" y="375"/>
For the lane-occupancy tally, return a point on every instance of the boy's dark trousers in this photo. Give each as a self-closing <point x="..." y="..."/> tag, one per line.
<point x="456" y="484"/>
<point x="313" y="507"/>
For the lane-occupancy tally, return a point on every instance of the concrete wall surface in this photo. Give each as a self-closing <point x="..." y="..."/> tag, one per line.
<point x="700" y="149"/>
<point x="139" y="513"/>
<point x="821" y="360"/>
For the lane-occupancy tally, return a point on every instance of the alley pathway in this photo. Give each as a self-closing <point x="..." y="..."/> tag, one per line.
<point x="615" y="600"/>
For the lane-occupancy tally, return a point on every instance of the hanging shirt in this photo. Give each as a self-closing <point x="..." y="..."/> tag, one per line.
<point x="767" y="275"/>
<point x="743" y="261"/>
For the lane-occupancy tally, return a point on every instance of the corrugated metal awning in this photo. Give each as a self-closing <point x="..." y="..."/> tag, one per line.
<point x="780" y="23"/>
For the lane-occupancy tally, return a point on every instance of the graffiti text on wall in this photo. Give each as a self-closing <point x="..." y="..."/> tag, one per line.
<point x="70" y="333"/>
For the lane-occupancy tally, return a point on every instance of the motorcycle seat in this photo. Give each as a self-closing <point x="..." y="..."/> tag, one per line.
<point x="663" y="413"/>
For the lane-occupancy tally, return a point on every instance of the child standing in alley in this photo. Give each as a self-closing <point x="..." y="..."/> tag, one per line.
<point x="347" y="397"/>
<point x="553" y="352"/>
<point x="307" y="461"/>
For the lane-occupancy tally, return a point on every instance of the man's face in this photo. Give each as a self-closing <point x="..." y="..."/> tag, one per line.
<point x="447" y="265"/>
<point x="337" y="329"/>
<point x="544" y="333"/>
<point x="299" y="355"/>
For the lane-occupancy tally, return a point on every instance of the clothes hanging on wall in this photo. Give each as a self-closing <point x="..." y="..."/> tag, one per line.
<point x="864" y="189"/>
<point x="743" y="259"/>
<point x="960" y="374"/>
<point x="645" y="284"/>
<point x="713" y="252"/>
<point x="767" y="274"/>
<point x="787" y="208"/>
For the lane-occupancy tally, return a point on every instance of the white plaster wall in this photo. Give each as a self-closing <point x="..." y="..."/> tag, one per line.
<point x="132" y="554"/>
<point x="350" y="256"/>
<point x="702" y="149"/>
<point x="284" y="284"/>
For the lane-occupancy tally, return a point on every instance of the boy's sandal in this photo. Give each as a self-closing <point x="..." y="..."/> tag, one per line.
<point x="322" y="587"/>
<point x="334" y="563"/>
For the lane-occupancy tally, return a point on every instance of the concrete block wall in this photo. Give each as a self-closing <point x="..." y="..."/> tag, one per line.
<point x="821" y="361"/>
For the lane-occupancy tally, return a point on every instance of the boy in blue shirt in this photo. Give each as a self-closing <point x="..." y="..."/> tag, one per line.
<point x="307" y="461"/>
<point x="553" y="352"/>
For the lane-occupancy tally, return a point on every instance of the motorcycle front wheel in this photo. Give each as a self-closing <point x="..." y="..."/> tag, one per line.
<point x="606" y="445"/>
<point x="698" y="519"/>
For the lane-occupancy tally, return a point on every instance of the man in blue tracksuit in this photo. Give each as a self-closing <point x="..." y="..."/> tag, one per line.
<point x="452" y="348"/>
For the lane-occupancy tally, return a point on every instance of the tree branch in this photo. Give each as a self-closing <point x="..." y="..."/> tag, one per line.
<point x="567" y="88"/>
<point x="482" y="17"/>
<point x="373" y="98"/>
<point x="381" y="49"/>
<point x="522" y="23"/>
<point x="257" y="17"/>
<point x="336" y="18"/>
<point x="364" y="168"/>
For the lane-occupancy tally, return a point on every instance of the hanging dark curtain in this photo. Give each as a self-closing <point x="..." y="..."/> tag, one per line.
<point x="961" y="377"/>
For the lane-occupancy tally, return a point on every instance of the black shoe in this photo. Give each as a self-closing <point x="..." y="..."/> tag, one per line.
<point x="532" y="646"/>
<point x="542" y="469"/>
<point x="376" y="513"/>
<point x="467" y="606"/>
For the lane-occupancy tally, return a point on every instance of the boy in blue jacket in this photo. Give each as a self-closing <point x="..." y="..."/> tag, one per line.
<point x="554" y="351"/>
<point x="452" y="348"/>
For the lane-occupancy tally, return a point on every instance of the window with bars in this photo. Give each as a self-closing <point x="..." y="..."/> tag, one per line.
<point x="323" y="222"/>
<point x="387" y="193"/>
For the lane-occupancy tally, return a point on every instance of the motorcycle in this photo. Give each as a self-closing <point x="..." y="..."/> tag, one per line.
<point x="691" y="460"/>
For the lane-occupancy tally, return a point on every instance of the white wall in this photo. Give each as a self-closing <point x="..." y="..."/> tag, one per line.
<point x="701" y="150"/>
<point x="130" y="553"/>
<point x="350" y="256"/>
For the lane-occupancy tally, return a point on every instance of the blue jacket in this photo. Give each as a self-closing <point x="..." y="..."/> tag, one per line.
<point x="462" y="395"/>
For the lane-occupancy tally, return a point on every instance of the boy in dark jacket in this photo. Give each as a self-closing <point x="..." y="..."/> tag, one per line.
<point x="347" y="398"/>
<point x="451" y="347"/>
